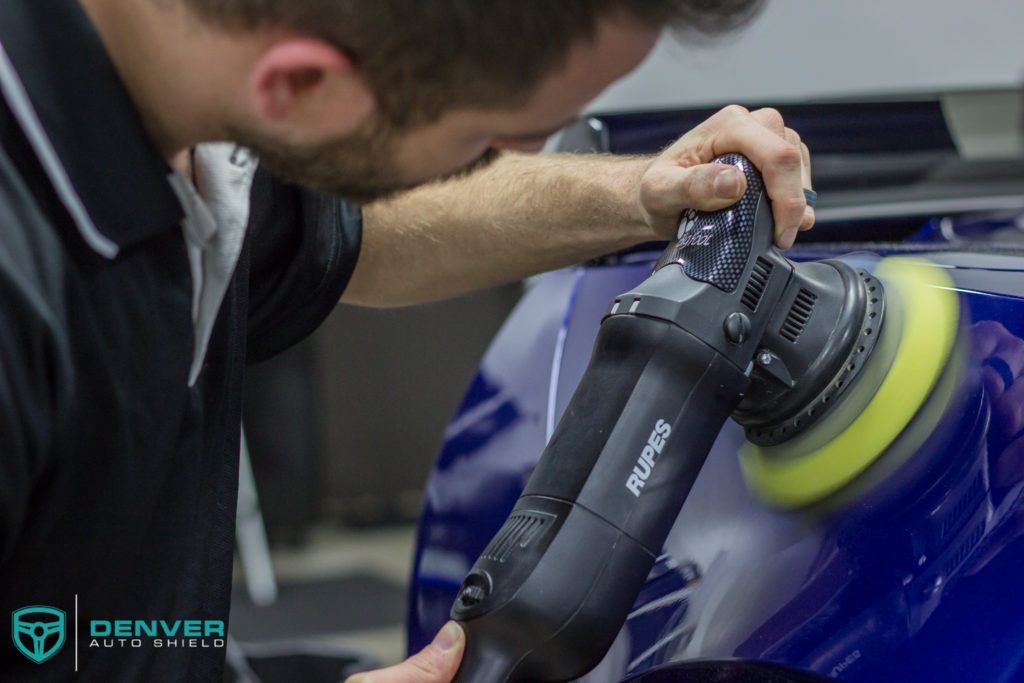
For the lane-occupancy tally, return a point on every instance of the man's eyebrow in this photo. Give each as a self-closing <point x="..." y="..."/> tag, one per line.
<point x="546" y="133"/>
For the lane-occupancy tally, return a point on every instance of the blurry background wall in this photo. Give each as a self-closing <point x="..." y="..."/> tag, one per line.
<point x="818" y="49"/>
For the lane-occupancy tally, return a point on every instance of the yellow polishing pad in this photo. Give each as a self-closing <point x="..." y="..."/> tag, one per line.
<point x="922" y="317"/>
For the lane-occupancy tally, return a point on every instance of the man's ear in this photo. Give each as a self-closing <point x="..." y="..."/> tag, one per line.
<point x="310" y="87"/>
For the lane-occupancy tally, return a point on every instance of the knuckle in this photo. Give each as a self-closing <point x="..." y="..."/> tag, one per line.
<point x="686" y="193"/>
<point x="986" y="334"/>
<point x="735" y="111"/>
<point x="787" y="158"/>
<point x="794" y="138"/>
<point x="424" y="665"/>
<point x="661" y="188"/>
<point x="772" y="117"/>
<point x="1013" y="346"/>
<point x="795" y="206"/>
<point x="695" y="185"/>
<point x="808" y="221"/>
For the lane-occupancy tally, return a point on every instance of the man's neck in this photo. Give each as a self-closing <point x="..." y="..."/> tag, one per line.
<point x="171" y="67"/>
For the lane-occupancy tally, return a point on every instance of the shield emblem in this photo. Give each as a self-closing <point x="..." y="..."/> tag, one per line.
<point x="38" y="632"/>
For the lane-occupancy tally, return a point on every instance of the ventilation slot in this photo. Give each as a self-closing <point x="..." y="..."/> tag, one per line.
<point x="757" y="283"/>
<point x="519" y="530"/>
<point x="954" y="518"/>
<point x="965" y="549"/>
<point x="798" y="316"/>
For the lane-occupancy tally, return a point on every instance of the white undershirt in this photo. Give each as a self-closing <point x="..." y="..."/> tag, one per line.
<point x="216" y="216"/>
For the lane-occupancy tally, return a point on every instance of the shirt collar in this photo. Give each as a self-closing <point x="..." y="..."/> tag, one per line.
<point x="62" y="88"/>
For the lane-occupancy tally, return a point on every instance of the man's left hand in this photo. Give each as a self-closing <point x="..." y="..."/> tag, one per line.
<point x="436" y="663"/>
<point x="682" y="177"/>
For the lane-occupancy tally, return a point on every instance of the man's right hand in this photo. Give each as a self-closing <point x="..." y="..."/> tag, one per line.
<point x="683" y="177"/>
<point x="436" y="663"/>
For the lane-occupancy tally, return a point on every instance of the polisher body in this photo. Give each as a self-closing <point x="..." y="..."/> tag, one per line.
<point x="724" y="314"/>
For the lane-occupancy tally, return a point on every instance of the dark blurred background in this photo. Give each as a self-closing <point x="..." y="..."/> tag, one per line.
<point x="344" y="427"/>
<point x="342" y="432"/>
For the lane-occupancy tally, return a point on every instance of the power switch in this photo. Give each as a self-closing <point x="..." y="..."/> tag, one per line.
<point x="737" y="328"/>
<point x="472" y="595"/>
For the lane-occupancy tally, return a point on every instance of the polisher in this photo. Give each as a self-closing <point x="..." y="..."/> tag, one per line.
<point x="824" y="365"/>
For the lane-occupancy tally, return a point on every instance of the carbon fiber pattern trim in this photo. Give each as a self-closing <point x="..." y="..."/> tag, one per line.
<point x="715" y="247"/>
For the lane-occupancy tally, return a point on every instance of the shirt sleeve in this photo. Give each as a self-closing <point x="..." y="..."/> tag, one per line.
<point x="303" y="250"/>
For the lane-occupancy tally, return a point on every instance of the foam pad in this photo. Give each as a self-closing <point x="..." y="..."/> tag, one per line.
<point x="918" y="335"/>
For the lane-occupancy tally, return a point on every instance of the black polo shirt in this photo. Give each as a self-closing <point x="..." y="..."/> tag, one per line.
<point x="117" y="479"/>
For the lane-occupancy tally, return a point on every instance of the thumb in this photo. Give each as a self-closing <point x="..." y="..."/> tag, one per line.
<point x="706" y="187"/>
<point x="709" y="187"/>
<point x="436" y="663"/>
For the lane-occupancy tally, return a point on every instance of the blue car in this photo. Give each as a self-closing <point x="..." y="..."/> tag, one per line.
<point x="913" y="572"/>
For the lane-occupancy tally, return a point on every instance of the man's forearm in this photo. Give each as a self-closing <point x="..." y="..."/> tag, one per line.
<point x="528" y="214"/>
<point x="520" y="216"/>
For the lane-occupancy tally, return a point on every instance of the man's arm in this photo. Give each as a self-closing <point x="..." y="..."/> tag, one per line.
<point x="522" y="215"/>
<point x="528" y="214"/>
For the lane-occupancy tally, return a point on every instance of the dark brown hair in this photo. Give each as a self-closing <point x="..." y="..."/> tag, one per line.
<point x="423" y="57"/>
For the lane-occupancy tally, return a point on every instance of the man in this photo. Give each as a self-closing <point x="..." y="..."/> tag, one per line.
<point x="131" y="294"/>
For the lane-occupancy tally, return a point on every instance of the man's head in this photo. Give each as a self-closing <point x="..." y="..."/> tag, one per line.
<point x="367" y="97"/>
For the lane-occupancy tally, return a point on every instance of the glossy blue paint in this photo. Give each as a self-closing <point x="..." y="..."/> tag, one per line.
<point x="914" y="579"/>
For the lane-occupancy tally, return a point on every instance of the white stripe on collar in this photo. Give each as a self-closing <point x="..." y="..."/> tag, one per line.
<point x="13" y="91"/>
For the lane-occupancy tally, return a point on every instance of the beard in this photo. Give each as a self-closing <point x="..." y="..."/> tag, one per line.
<point x="360" y="167"/>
